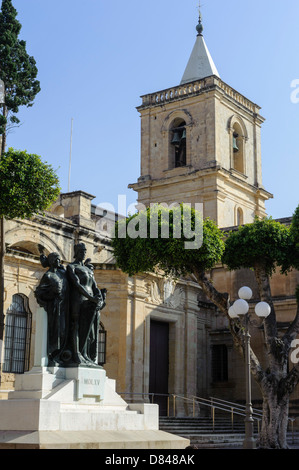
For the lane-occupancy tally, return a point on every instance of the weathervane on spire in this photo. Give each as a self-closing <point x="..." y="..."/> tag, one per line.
<point x="199" y="27"/>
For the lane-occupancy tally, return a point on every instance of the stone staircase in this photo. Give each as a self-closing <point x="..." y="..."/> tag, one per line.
<point x="4" y="394"/>
<point x="201" y="433"/>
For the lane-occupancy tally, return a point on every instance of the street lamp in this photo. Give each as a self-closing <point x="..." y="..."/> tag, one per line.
<point x="240" y="309"/>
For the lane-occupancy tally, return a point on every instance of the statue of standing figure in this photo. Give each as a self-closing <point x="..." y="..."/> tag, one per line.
<point x="86" y="302"/>
<point x="73" y="303"/>
<point x="53" y="295"/>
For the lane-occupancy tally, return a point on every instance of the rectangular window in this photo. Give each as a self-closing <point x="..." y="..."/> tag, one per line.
<point x="102" y="340"/>
<point x="219" y="363"/>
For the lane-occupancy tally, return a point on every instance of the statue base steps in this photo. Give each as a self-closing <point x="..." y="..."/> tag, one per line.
<point x="77" y="408"/>
<point x="144" y="439"/>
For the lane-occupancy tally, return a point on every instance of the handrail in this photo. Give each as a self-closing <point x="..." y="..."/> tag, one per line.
<point x="236" y="405"/>
<point x="256" y="414"/>
<point x="213" y="403"/>
<point x="255" y="411"/>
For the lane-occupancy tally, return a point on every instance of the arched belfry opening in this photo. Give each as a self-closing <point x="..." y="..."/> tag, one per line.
<point x="177" y="135"/>
<point x="237" y="143"/>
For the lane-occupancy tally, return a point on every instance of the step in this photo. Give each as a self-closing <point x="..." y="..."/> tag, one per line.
<point x="4" y="394"/>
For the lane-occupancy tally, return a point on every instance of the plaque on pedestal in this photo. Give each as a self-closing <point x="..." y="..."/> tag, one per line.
<point x="90" y="383"/>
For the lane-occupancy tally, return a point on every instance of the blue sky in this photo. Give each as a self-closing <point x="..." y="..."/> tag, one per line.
<point x="96" y="58"/>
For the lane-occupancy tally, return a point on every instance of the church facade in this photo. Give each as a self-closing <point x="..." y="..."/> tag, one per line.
<point x="200" y="143"/>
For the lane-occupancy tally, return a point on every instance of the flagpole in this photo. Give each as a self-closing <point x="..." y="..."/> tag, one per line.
<point x="70" y="155"/>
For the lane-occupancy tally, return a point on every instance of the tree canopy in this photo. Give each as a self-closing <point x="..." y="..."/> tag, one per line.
<point x="265" y="243"/>
<point x="18" y="70"/>
<point x="27" y="185"/>
<point x="161" y="238"/>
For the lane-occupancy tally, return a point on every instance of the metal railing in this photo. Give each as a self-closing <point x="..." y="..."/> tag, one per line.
<point x="197" y="402"/>
<point x="223" y="406"/>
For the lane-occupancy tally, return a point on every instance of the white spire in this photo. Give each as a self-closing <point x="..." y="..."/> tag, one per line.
<point x="201" y="64"/>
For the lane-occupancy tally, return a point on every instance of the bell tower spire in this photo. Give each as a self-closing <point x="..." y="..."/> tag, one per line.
<point x="200" y="64"/>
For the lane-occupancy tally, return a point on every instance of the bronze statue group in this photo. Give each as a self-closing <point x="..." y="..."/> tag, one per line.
<point x="73" y="303"/>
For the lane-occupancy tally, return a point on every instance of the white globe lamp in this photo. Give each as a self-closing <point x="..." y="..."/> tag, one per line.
<point x="262" y="309"/>
<point x="232" y="312"/>
<point x="241" y="307"/>
<point x="245" y="293"/>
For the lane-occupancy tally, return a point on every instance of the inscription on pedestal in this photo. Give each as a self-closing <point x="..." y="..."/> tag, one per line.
<point x="90" y="382"/>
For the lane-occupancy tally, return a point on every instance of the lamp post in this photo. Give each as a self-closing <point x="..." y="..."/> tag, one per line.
<point x="240" y="309"/>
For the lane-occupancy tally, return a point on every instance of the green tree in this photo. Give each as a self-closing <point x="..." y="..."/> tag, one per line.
<point x="293" y="253"/>
<point x="18" y="73"/>
<point x="27" y="186"/>
<point x="262" y="246"/>
<point x="265" y="246"/>
<point x="17" y="70"/>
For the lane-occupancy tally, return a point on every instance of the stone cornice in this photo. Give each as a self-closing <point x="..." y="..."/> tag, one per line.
<point x="208" y="172"/>
<point x="188" y="90"/>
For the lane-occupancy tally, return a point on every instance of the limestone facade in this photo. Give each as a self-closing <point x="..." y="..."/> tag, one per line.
<point x="214" y="120"/>
<point x="195" y="326"/>
<point x="131" y="302"/>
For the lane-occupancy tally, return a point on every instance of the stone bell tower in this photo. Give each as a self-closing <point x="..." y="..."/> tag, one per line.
<point x="201" y="143"/>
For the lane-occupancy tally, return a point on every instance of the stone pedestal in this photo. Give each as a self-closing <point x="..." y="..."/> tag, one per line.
<point x="40" y="350"/>
<point x="64" y="408"/>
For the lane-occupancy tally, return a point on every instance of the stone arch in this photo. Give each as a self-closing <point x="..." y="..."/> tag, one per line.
<point x="28" y="241"/>
<point x="58" y="211"/>
<point x="183" y="114"/>
<point x="236" y="119"/>
<point x="23" y="288"/>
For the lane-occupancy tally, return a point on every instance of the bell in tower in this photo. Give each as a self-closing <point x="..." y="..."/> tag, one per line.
<point x="235" y="143"/>
<point x="176" y="139"/>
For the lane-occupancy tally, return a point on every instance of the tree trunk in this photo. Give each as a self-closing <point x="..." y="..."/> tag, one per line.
<point x="273" y="434"/>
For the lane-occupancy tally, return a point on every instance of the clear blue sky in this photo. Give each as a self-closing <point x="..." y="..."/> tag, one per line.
<point x="96" y="58"/>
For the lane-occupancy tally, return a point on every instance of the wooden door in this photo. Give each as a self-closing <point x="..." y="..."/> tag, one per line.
<point x="159" y="363"/>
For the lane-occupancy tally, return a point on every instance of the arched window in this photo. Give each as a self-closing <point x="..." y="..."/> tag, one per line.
<point x="18" y="322"/>
<point x="239" y="216"/>
<point x="178" y="143"/>
<point x="102" y="340"/>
